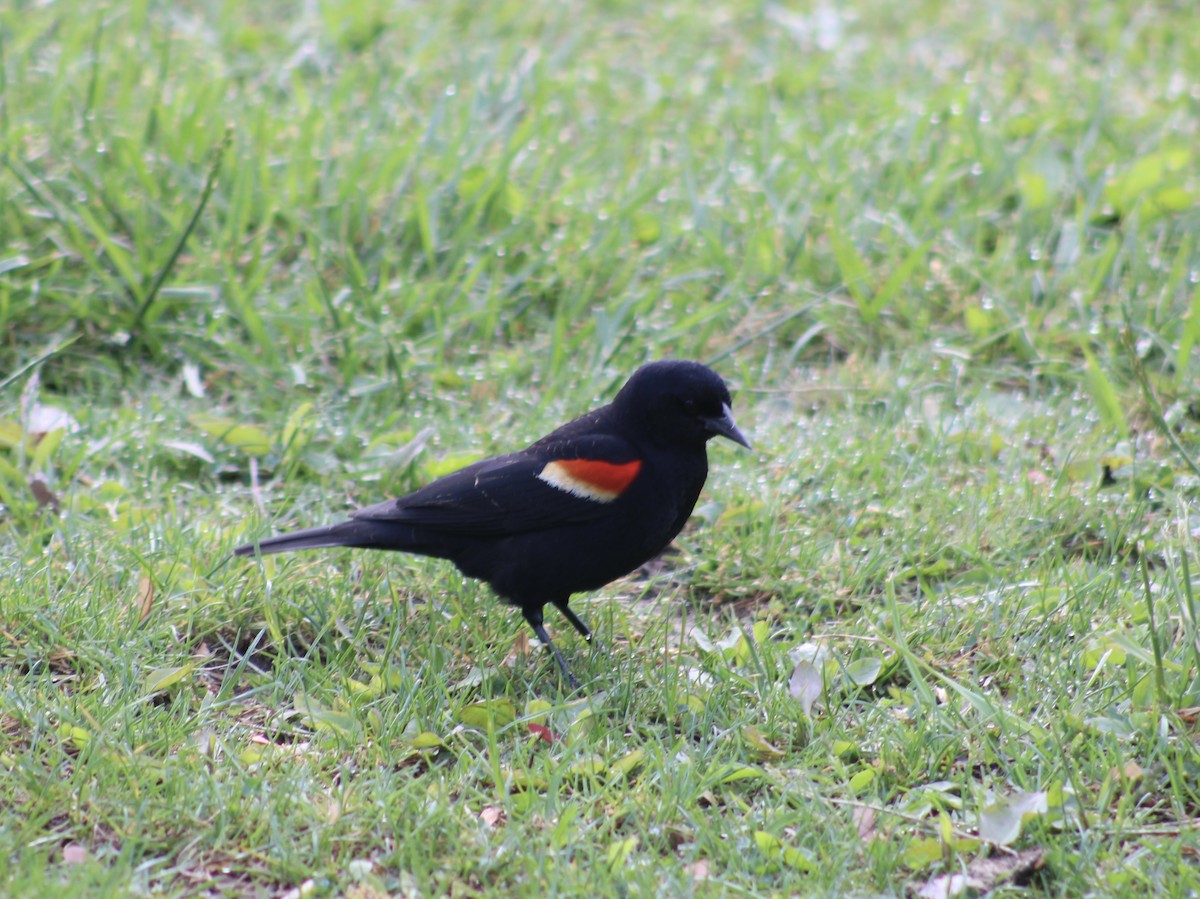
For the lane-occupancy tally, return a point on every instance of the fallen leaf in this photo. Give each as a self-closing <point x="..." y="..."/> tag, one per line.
<point x="361" y="869"/>
<point x="488" y="714"/>
<point x="74" y="854"/>
<point x="250" y="439"/>
<point x="759" y="743"/>
<point x="1130" y="771"/>
<point x="426" y="740"/>
<point x="305" y="889"/>
<point x="806" y="685"/>
<point x="1001" y="821"/>
<point x="145" y="597"/>
<point x="588" y="767"/>
<point x="984" y="875"/>
<point x="191" y="449"/>
<point x="989" y="873"/>
<point x="537" y="709"/>
<point x="491" y="816"/>
<point x="865" y="671"/>
<point x="922" y="852"/>
<point x="520" y="647"/>
<point x="861" y="780"/>
<point x="42" y="493"/>
<point x="11" y="434"/>
<point x="192" y="380"/>
<point x="944" y="886"/>
<point x="627" y="762"/>
<point x="164" y="678"/>
<point x="777" y="850"/>
<point x="864" y="821"/>
<point x="44" y="419"/>
<point x="619" y="852"/>
<point x="730" y="772"/>
<point x="319" y="716"/>
<point x="542" y="731"/>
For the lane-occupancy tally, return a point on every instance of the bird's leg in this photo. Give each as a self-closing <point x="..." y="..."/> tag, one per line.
<point x="576" y="621"/>
<point x="578" y="624"/>
<point x="534" y="617"/>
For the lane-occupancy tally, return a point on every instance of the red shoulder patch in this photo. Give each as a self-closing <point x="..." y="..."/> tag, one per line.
<point x="591" y="478"/>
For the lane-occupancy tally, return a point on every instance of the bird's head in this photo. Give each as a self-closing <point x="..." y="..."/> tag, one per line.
<point x="679" y="403"/>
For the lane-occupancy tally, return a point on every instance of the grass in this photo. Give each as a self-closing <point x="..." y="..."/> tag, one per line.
<point x="260" y="266"/>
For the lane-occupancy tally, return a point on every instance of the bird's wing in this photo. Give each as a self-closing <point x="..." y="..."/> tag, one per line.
<point x="550" y="484"/>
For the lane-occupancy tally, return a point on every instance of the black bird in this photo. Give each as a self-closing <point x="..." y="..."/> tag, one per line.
<point x="583" y="506"/>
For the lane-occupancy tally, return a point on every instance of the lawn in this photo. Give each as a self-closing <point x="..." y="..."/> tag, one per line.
<point x="936" y="634"/>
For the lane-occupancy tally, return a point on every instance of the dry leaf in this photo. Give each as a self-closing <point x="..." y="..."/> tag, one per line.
<point x="74" y="854"/>
<point x="760" y="744"/>
<point x="984" y="875"/>
<point x="944" y="886"/>
<point x="305" y="889"/>
<point x="491" y="816"/>
<point x="545" y="733"/>
<point x="1001" y="821"/>
<point x="1131" y="771"/>
<point x="864" y="820"/>
<point x="192" y="380"/>
<point x="145" y="597"/>
<point x="44" y="419"/>
<point x="806" y="685"/>
<point x="520" y="648"/>
<point x="192" y="449"/>
<point x="42" y="493"/>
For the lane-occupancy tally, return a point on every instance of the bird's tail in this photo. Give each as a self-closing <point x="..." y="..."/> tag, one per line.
<point x="361" y="534"/>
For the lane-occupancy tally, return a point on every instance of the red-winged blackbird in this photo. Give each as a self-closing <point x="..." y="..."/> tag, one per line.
<point x="584" y="505"/>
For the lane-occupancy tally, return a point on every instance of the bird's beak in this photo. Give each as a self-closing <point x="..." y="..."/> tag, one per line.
<point x="725" y="426"/>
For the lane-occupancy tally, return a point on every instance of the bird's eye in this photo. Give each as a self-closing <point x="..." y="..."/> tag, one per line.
<point x="690" y="407"/>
